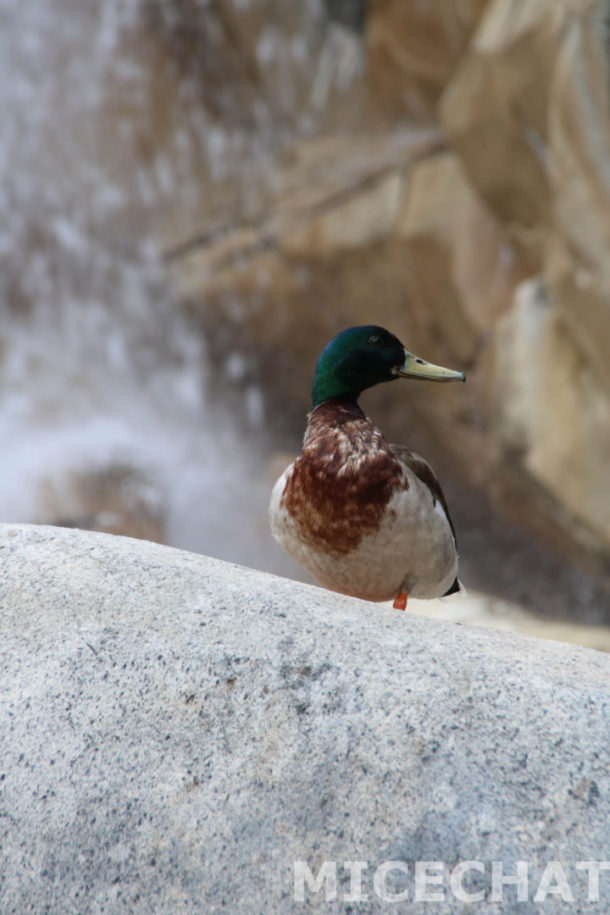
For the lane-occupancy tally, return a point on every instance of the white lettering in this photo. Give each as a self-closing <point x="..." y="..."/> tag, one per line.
<point x="430" y="884"/>
<point x="456" y="881"/>
<point x="553" y="871"/>
<point x="593" y="868"/>
<point x="327" y="875"/>
<point x="499" y="880"/>
<point x="379" y="881"/>
<point x="429" y="874"/>
<point x="355" y="869"/>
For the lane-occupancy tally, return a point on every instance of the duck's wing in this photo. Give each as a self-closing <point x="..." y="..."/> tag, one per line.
<point x="424" y="472"/>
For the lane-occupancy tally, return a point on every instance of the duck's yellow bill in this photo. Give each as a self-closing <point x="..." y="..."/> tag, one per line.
<point x="414" y="367"/>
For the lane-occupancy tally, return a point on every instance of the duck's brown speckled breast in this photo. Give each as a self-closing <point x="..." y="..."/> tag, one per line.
<point x="340" y="486"/>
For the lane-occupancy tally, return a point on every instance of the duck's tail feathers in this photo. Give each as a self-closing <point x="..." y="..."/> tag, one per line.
<point x="456" y="588"/>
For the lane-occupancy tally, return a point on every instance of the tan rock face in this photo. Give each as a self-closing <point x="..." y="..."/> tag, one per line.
<point x="485" y="248"/>
<point x="549" y="412"/>
<point x="578" y="261"/>
<point x="494" y="110"/>
<point x="461" y="269"/>
<point x="326" y="256"/>
<point x="411" y="49"/>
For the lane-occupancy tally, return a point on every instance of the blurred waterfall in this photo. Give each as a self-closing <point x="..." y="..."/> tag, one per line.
<point x="98" y="369"/>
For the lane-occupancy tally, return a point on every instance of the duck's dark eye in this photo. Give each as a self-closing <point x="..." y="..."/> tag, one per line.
<point x="375" y="340"/>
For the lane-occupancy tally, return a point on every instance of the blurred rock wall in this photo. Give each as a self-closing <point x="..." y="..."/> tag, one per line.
<point x="442" y="169"/>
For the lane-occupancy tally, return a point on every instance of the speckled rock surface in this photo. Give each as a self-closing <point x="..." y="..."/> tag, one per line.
<point x="176" y="732"/>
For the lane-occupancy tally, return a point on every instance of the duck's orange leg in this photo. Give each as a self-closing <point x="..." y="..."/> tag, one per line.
<point x="400" y="601"/>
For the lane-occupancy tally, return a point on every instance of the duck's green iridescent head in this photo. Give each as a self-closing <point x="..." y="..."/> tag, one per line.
<point x="361" y="357"/>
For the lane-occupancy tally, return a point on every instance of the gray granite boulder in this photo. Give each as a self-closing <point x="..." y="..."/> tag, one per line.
<point x="182" y="735"/>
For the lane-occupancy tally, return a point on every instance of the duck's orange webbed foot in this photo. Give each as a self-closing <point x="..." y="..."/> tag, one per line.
<point x="400" y="601"/>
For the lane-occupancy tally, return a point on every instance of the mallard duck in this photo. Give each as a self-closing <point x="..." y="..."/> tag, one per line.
<point x="364" y="517"/>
